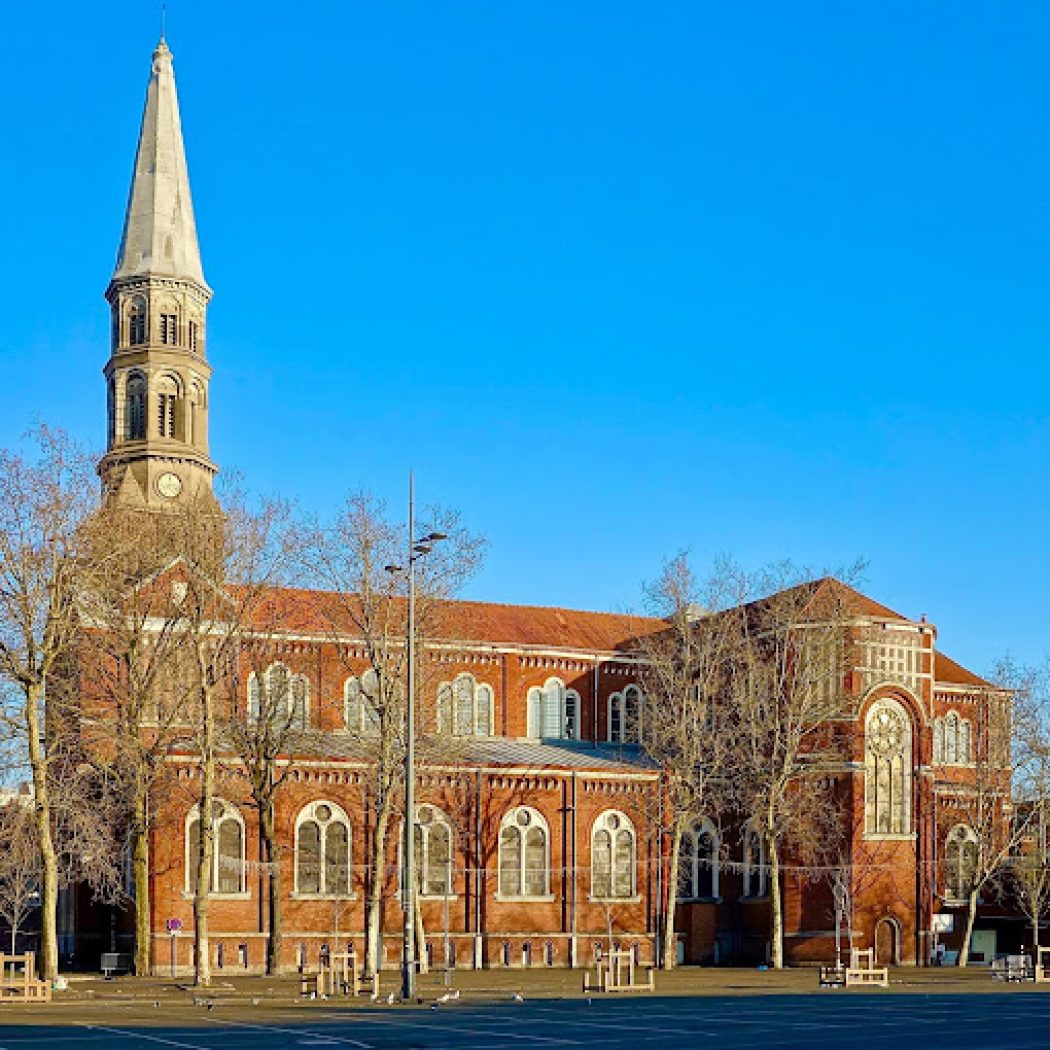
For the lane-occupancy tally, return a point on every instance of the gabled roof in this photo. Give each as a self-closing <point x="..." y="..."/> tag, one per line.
<point x="948" y="672"/>
<point x="467" y="622"/>
<point x="847" y="600"/>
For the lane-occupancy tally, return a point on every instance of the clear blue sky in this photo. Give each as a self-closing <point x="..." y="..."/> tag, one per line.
<point x="617" y="279"/>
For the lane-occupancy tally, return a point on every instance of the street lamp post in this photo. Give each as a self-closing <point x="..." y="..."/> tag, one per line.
<point x="416" y="550"/>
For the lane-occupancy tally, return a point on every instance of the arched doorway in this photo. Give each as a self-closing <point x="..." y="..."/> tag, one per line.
<point x="887" y="942"/>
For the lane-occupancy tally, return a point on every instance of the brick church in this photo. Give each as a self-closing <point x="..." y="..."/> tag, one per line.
<point x="546" y="840"/>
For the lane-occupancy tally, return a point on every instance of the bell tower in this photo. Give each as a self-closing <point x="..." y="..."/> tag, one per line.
<point x="157" y="375"/>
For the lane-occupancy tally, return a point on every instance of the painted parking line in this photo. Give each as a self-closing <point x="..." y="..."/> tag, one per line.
<point x="123" y="1032"/>
<point x="300" y="1032"/>
<point x="400" y="1022"/>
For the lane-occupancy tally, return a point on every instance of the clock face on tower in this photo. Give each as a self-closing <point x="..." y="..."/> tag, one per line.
<point x="169" y="485"/>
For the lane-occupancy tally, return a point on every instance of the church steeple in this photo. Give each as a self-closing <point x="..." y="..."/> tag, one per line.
<point x="157" y="375"/>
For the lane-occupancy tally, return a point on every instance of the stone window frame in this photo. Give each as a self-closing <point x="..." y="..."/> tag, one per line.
<point x="689" y="851"/>
<point x="482" y="706"/>
<point x="297" y="716"/>
<point x="338" y="816"/>
<point x="602" y="825"/>
<point x="553" y="703"/>
<point x="228" y="812"/>
<point x="511" y="820"/>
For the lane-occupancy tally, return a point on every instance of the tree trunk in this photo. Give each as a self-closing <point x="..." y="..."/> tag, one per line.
<point x="141" y="874"/>
<point x="971" y="915"/>
<point x="776" y="907"/>
<point x="669" y="956"/>
<point x="373" y="962"/>
<point x="269" y="835"/>
<point x="14" y="938"/>
<point x="48" y="857"/>
<point x="206" y="849"/>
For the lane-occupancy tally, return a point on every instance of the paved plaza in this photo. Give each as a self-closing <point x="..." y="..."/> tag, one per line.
<point x="915" y="1010"/>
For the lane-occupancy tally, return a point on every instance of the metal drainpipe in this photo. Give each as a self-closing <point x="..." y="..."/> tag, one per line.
<point x="572" y="881"/>
<point x="594" y="705"/>
<point x="479" y="881"/>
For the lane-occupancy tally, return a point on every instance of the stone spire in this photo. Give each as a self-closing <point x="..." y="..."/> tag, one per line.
<point x="158" y="375"/>
<point x="160" y="236"/>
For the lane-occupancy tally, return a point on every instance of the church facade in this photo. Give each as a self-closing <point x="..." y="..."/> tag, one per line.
<point x="546" y="840"/>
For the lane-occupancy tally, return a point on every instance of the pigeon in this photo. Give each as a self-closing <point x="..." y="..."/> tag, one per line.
<point x="518" y="998"/>
<point x="390" y="999"/>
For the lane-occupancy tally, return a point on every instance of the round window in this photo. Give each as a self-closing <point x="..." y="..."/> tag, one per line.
<point x="323" y="812"/>
<point x="425" y="815"/>
<point x="524" y="818"/>
<point x="612" y="821"/>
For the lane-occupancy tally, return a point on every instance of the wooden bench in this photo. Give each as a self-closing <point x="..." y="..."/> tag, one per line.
<point x="617" y="973"/>
<point x="335" y="976"/>
<point x="1041" y="970"/>
<point x="19" y="982"/>
<point x="862" y="971"/>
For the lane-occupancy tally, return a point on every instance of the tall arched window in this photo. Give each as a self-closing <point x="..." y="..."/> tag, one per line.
<point x="167" y="396"/>
<point x="960" y="862"/>
<point x="137" y="318"/>
<point x="698" y="866"/>
<point x="135" y="400"/>
<point x="361" y="703"/>
<point x="524" y="866"/>
<point x="279" y="697"/>
<point x="433" y="851"/>
<point x="952" y="740"/>
<point x="625" y="716"/>
<point x="553" y="712"/>
<point x="887" y="770"/>
<point x="612" y="857"/>
<point x="755" y="883"/>
<point x="465" y="707"/>
<point x="227" y="873"/>
<point x="322" y="851"/>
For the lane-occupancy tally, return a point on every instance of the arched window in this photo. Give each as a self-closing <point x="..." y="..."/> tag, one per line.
<point x="625" y="716"/>
<point x="553" y="712"/>
<point x="965" y="741"/>
<point x="280" y="697"/>
<point x="616" y="719"/>
<point x="755" y="884"/>
<point x="169" y="326"/>
<point x="887" y="770"/>
<point x="612" y="857"/>
<point x="193" y="413"/>
<point x="322" y="851"/>
<point x="167" y="396"/>
<point x="465" y="708"/>
<point x="952" y="740"/>
<point x="960" y="862"/>
<point x="135" y="399"/>
<point x="361" y="704"/>
<point x="137" y="318"/>
<point x="227" y="874"/>
<point x="433" y="851"/>
<point x="698" y="866"/>
<point x="524" y="867"/>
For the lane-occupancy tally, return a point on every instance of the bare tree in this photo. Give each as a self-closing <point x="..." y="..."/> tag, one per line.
<point x="266" y="735"/>
<point x="787" y="689"/>
<point x="223" y="570"/>
<point x="46" y="497"/>
<point x="685" y="672"/>
<point x="985" y="830"/>
<point x="354" y="558"/>
<point x="19" y="866"/>
<point x="134" y="658"/>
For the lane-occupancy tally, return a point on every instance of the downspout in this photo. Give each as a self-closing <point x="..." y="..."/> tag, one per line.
<point x="479" y="880"/>
<point x="594" y="698"/>
<point x="572" y="879"/>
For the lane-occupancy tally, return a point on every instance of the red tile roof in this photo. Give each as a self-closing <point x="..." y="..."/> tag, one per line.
<point x="532" y="626"/>
<point x="947" y="671"/>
